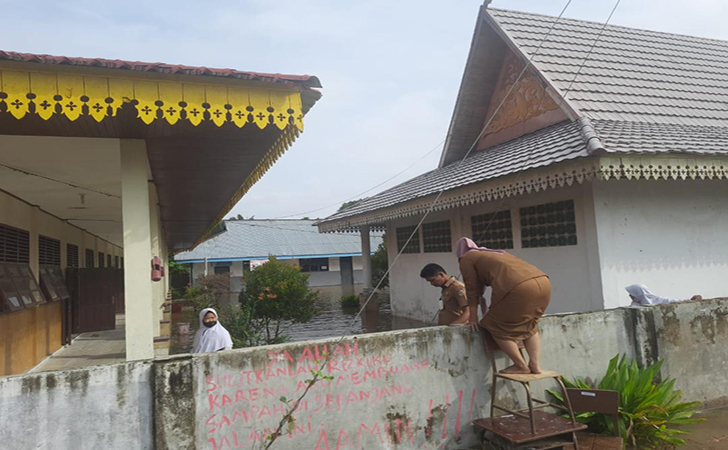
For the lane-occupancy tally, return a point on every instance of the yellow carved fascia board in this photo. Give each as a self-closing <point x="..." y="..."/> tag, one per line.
<point x="73" y="95"/>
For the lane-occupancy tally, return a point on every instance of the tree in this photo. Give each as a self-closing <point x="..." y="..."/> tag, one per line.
<point x="277" y="295"/>
<point x="380" y="263"/>
<point x="349" y="204"/>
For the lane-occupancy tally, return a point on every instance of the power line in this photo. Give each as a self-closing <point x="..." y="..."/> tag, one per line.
<point x="357" y="196"/>
<point x="287" y="416"/>
<point x="55" y="180"/>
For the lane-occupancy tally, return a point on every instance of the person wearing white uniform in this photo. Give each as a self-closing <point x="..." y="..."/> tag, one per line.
<point x="641" y="296"/>
<point x="211" y="337"/>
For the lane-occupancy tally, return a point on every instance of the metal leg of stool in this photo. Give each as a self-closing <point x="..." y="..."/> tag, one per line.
<point x="492" y="385"/>
<point x="529" y="397"/>
<point x="566" y="399"/>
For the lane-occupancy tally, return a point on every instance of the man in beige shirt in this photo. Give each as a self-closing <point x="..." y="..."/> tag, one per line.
<point x="454" y="303"/>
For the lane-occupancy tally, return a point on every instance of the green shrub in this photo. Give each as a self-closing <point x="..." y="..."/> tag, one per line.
<point x="208" y="292"/>
<point x="277" y="295"/>
<point x="349" y="301"/>
<point x="648" y="406"/>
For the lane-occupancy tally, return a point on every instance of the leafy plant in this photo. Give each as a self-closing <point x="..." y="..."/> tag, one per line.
<point x="208" y="292"/>
<point x="349" y="301"/>
<point x="380" y="263"/>
<point x="649" y="407"/>
<point x="278" y="295"/>
<point x="244" y="329"/>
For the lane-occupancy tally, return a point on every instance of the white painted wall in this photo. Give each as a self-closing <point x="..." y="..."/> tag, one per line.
<point x="574" y="276"/>
<point x="669" y="235"/>
<point x="19" y="214"/>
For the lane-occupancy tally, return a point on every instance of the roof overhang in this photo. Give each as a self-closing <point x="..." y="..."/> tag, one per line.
<point x="608" y="167"/>
<point x="209" y="138"/>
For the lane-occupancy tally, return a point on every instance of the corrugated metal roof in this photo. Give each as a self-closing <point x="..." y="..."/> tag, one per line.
<point x="300" y="80"/>
<point x="259" y="238"/>
<point x="631" y="75"/>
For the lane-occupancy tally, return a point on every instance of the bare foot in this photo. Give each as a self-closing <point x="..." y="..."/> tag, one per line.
<point x="514" y="369"/>
<point x="534" y="368"/>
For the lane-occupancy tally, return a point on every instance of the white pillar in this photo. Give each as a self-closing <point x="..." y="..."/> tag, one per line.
<point x="137" y="248"/>
<point x="366" y="256"/>
<point x="205" y="266"/>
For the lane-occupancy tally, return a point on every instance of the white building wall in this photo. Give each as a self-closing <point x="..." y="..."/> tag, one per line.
<point x="572" y="270"/>
<point x="669" y="235"/>
<point x="19" y="214"/>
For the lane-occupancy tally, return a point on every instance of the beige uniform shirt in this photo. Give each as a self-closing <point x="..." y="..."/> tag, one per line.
<point x="453" y="296"/>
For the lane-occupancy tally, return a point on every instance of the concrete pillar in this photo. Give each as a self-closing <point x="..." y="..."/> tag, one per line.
<point x="137" y="248"/>
<point x="366" y="256"/>
<point x="206" y="266"/>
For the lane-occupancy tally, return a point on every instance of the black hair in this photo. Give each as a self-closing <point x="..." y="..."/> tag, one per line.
<point x="431" y="270"/>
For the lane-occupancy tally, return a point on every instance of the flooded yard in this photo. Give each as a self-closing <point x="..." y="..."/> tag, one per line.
<point x="331" y="321"/>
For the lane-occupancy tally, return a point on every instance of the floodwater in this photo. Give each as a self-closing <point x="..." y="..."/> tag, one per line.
<point x="331" y="321"/>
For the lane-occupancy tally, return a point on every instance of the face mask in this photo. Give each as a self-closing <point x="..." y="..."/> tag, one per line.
<point x="210" y="324"/>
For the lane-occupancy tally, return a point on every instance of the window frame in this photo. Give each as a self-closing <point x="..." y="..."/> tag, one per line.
<point x="49" y="251"/>
<point x="505" y="220"/>
<point x="401" y="234"/>
<point x="73" y="256"/>
<point x="101" y="260"/>
<point x="321" y="265"/>
<point x="541" y="223"/>
<point x="90" y="255"/>
<point x="426" y="227"/>
<point x="21" y="238"/>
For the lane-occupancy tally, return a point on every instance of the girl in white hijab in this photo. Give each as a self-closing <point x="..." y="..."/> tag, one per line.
<point x="641" y="296"/>
<point x="211" y="337"/>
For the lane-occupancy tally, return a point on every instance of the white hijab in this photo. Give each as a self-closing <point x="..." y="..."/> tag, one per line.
<point x="211" y="339"/>
<point x="644" y="297"/>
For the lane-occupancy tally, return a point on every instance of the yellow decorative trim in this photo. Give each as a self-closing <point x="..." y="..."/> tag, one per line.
<point x="279" y="147"/>
<point x="73" y="96"/>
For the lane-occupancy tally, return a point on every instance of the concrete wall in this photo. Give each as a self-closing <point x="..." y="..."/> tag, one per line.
<point x="108" y="407"/>
<point x="669" y="235"/>
<point x="574" y="274"/>
<point x="405" y="389"/>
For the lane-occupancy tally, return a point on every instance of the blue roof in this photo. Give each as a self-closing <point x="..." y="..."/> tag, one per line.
<point x="286" y="239"/>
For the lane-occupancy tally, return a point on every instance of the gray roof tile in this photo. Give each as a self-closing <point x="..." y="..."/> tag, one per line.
<point x="556" y="143"/>
<point x="631" y="69"/>
<point x="255" y="239"/>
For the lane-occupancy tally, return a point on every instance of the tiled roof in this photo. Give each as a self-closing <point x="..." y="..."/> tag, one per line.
<point x="639" y="92"/>
<point x="556" y="143"/>
<point x="301" y="80"/>
<point x="256" y="239"/>
<point x="654" y="138"/>
<point x="631" y="75"/>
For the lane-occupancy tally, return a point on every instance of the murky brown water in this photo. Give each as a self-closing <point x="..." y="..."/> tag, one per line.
<point x="331" y="321"/>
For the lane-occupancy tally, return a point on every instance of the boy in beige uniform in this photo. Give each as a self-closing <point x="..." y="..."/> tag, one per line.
<point x="454" y="307"/>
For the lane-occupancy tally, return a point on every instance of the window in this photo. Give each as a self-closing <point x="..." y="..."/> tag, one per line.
<point x="314" y="264"/>
<point x="49" y="251"/>
<point x="403" y="233"/>
<point x="219" y="270"/>
<point x="102" y="258"/>
<point x="548" y="225"/>
<point x="493" y="230"/>
<point x="90" y="259"/>
<point x="246" y="266"/>
<point x="436" y="237"/>
<point x="122" y="262"/>
<point x="116" y="262"/>
<point x="53" y="284"/>
<point x="18" y="288"/>
<point x="71" y="255"/>
<point x="108" y="261"/>
<point x="14" y="245"/>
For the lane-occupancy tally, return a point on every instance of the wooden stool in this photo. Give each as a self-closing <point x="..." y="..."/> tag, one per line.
<point x="528" y="425"/>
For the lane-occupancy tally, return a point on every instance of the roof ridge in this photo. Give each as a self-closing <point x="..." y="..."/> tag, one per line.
<point x="591" y="22"/>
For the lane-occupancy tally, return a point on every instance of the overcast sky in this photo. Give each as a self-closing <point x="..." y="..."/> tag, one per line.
<point x="390" y="69"/>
